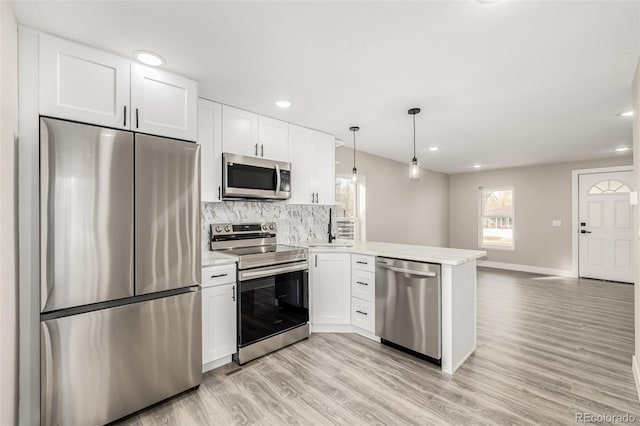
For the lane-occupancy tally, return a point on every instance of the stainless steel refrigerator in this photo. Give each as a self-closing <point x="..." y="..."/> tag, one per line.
<point x="120" y="271"/>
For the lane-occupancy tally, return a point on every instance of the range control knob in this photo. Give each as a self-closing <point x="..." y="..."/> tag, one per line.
<point x="227" y="228"/>
<point x="218" y="228"/>
<point x="272" y="227"/>
<point x="264" y="227"/>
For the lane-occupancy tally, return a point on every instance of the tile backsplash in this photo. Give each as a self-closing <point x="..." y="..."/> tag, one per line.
<point x="295" y="223"/>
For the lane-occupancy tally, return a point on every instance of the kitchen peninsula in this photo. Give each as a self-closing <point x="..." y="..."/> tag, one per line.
<point x="342" y="281"/>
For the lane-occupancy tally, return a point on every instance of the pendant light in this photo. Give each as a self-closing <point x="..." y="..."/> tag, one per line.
<point x="354" y="171"/>
<point x="414" y="166"/>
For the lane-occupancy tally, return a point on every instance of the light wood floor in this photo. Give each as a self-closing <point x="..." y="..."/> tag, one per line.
<point x="547" y="348"/>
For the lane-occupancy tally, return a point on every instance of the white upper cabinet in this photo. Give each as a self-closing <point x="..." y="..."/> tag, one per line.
<point x="324" y="161"/>
<point x="247" y="133"/>
<point x="312" y="156"/>
<point x="300" y="143"/>
<point x="273" y="136"/>
<point x="83" y="84"/>
<point x="163" y="104"/>
<point x="240" y="131"/>
<point x="210" y="139"/>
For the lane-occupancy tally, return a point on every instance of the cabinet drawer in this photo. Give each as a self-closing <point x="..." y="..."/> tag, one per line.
<point x="363" y="285"/>
<point x="363" y="263"/>
<point x="363" y="314"/>
<point x="218" y="275"/>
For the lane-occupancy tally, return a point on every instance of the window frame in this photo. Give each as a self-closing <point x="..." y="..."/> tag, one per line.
<point x="481" y="190"/>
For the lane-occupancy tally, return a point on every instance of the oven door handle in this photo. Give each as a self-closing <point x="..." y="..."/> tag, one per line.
<point x="271" y="270"/>
<point x="277" y="179"/>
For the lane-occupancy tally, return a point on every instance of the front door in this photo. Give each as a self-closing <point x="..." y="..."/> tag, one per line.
<point x="606" y="243"/>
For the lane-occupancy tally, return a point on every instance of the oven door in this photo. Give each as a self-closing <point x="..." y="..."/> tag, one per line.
<point x="250" y="177"/>
<point x="272" y="300"/>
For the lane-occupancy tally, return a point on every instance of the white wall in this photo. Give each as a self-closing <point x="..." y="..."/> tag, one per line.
<point x="541" y="194"/>
<point x="398" y="210"/>
<point x="636" y="218"/>
<point x="8" y="201"/>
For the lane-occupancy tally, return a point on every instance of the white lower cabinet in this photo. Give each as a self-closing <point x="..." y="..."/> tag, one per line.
<point x="219" y="332"/>
<point x="363" y="292"/>
<point x="363" y="285"/>
<point x="330" y="279"/>
<point x="363" y="314"/>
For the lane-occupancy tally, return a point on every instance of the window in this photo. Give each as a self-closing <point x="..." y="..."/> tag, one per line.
<point x="496" y="218"/>
<point x="350" y="208"/>
<point x="609" y="187"/>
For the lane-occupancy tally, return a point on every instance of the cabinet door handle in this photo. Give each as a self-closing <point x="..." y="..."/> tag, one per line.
<point x="361" y="283"/>
<point x="316" y="260"/>
<point x="316" y="198"/>
<point x="256" y="150"/>
<point x="219" y="275"/>
<point x="262" y="150"/>
<point x="360" y="312"/>
<point x="361" y="262"/>
<point x="312" y="197"/>
<point x="137" y="122"/>
<point x="125" y="116"/>
<point x="233" y="295"/>
<point x="219" y="192"/>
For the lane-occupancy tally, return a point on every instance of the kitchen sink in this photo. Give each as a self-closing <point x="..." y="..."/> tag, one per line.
<point x="329" y="245"/>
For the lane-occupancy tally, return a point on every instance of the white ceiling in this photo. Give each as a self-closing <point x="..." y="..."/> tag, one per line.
<point x="502" y="84"/>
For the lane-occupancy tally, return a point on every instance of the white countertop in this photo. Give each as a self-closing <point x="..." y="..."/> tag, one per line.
<point x="213" y="258"/>
<point x="441" y="255"/>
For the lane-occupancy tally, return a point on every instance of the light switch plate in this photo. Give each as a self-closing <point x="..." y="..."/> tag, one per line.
<point x="633" y="198"/>
<point x="556" y="223"/>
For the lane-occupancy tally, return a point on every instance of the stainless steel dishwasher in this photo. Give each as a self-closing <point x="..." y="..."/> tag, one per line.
<point x="408" y="299"/>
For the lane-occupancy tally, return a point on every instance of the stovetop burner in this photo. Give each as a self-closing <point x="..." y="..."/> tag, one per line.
<point x="254" y="244"/>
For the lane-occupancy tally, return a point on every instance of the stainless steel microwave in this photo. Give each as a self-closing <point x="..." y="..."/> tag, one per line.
<point x="255" y="178"/>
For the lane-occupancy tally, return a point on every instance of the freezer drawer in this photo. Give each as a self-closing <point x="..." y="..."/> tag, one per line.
<point x="86" y="218"/>
<point x="99" y="366"/>
<point x="167" y="197"/>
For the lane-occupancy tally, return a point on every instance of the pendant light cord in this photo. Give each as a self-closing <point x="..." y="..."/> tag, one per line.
<point x="354" y="149"/>
<point x="414" y="137"/>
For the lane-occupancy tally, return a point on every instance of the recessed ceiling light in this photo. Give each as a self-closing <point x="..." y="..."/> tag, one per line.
<point x="433" y="148"/>
<point x="149" y="58"/>
<point x="283" y="104"/>
<point x="627" y="114"/>
<point x="622" y="149"/>
<point x="477" y="166"/>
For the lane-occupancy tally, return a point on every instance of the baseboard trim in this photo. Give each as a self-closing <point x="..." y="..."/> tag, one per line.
<point x="343" y="328"/>
<point x="217" y="363"/>
<point x="527" y="268"/>
<point x="636" y="371"/>
<point x="332" y="328"/>
<point x="463" y="360"/>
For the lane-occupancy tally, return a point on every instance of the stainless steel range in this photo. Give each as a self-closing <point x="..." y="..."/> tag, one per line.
<point x="273" y="297"/>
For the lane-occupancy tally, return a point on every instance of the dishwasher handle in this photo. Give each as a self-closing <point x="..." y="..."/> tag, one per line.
<point x="408" y="271"/>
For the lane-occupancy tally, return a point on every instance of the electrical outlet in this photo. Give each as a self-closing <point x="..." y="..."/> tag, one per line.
<point x="556" y="223"/>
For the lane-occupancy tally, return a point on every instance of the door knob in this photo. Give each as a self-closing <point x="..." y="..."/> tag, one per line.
<point x="582" y="231"/>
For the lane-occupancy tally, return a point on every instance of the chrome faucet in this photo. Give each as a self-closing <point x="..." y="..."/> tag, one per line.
<point x="331" y="235"/>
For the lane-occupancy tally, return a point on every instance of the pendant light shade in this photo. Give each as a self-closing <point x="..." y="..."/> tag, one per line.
<point x="414" y="165"/>
<point x="414" y="169"/>
<point x="354" y="171"/>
